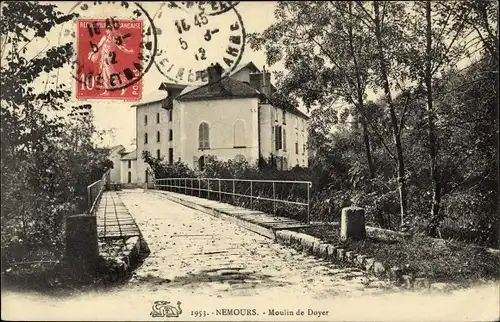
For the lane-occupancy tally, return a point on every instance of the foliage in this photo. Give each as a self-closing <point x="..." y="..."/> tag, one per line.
<point x="428" y="137"/>
<point x="47" y="159"/>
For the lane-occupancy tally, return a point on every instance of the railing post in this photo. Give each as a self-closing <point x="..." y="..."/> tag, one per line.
<point x="234" y="191"/>
<point x="274" y="198"/>
<point x="185" y="186"/>
<point x="199" y="187"/>
<point x="251" y="195"/>
<point x="208" y="197"/>
<point x="308" y="202"/>
<point x="89" y="197"/>
<point x="220" y="194"/>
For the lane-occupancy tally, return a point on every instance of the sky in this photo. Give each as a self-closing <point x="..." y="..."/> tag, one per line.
<point x="119" y="116"/>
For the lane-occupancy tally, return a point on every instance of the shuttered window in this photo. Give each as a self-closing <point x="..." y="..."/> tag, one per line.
<point x="204" y="136"/>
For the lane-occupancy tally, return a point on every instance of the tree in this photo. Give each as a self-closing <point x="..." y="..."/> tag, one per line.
<point x="326" y="62"/>
<point x="47" y="159"/>
<point x="338" y="49"/>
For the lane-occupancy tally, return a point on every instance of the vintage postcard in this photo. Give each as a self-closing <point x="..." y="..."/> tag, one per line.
<point x="249" y="160"/>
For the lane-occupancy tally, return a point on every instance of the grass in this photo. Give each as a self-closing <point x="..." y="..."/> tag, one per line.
<point x="438" y="260"/>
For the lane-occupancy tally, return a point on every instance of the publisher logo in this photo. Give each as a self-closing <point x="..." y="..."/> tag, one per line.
<point x="163" y="309"/>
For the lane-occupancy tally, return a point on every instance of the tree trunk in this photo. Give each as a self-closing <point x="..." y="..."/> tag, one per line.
<point x="433" y="148"/>
<point x="394" y="121"/>
<point x="368" y="151"/>
<point x="360" y="104"/>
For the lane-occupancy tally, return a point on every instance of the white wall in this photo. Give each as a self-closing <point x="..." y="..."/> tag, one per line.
<point x="295" y="126"/>
<point x="220" y="116"/>
<point x="125" y="169"/>
<point x="115" y="172"/>
<point x="151" y="128"/>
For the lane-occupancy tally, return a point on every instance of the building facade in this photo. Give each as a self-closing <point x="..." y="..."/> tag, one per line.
<point x="226" y="116"/>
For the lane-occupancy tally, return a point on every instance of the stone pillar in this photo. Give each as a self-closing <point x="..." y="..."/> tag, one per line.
<point x="82" y="250"/>
<point x="353" y="223"/>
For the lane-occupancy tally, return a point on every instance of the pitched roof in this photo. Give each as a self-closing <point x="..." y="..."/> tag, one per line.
<point x="117" y="148"/>
<point x="226" y="87"/>
<point x="152" y="97"/>
<point x="130" y="156"/>
<point x="241" y="66"/>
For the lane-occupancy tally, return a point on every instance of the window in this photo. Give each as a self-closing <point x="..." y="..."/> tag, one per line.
<point x="129" y="179"/>
<point x="157" y="136"/>
<point x="285" y="164"/>
<point x="303" y="145"/>
<point x="276" y="114"/>
<point x="170" y="135"/>
<point x="284" y="140"/>
<point x="145" y="138"/>
<point x="129" y="164"/>
<point x="239" y="134"/>
<point x="145" y="120"/>
<point x="170" y="155"/>
<point x="157" y="117"/>
<point x="297" y="144"/>
<point x="158" y="153"/>
<point x="201" y="163"/>
<point x="146" y="177"/>
<point x="278" y="137"/>
<point x="170" y="115"/>
<point x="284" y="117"/>
<point x="204" y="136"/>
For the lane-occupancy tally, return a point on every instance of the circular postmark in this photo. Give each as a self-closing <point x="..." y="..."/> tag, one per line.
<point x="211" y="8"/>
<point x="111" y="54"/>
<point x="193" y="40"/>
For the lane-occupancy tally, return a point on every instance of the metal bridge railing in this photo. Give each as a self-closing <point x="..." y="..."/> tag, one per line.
<point x="251" y="193"/>
<point x="94" y="193"/>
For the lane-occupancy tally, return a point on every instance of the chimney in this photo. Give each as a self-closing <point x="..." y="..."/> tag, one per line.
<point x="255" y="80"/>
<point x="214" y="73"/>
<point x="265" y="86"/>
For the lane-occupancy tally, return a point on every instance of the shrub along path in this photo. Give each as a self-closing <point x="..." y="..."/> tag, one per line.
<point x="439" y="260"/>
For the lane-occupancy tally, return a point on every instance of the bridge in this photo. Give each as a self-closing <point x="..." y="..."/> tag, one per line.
<point x="198" y="240"/>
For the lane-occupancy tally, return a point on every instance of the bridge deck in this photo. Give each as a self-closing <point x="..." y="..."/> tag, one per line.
<point x="114" y="219"/>
<point x="254" y="216"/>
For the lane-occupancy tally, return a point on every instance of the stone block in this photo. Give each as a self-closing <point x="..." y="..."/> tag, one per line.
<point x="349" y="256"/>
<point x="82" y="249"/>
<point x="378" y="268"/>
<point x="407" y="281"/>
<point x="353" y="223"/>
<point x="368" y="265"/>
<point x="360" y="261"/>
<point x="308" y="242"/>
<point x="316" y="248"/>
<point x="286" y="236"/>
<point x="396" y="273"/>
<point x="323" y="250"/>
<point x="421" y="283"/>
<point x="332" y="252"/>
<point x="281" y="236"/>
<point x="296" y="241"/>
<point x="440" y="287"/>
<point x="340" y="254"/>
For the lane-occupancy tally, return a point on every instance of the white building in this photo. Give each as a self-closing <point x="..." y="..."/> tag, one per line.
<point x="226" y="116"/>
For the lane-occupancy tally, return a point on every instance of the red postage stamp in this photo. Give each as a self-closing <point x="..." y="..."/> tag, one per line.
<point x="109" y="59"/>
